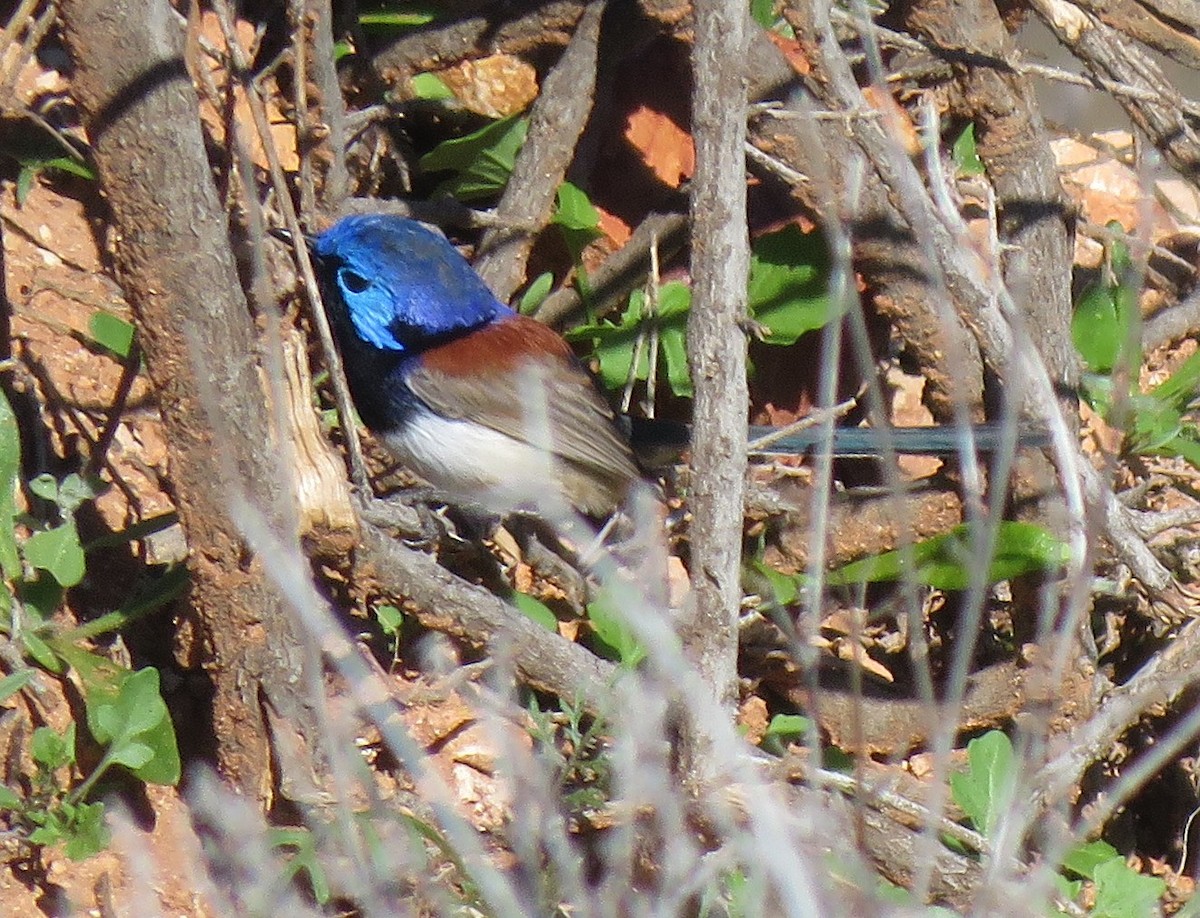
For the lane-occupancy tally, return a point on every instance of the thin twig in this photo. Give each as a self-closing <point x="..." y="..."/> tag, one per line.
<point x="903" y="41"/>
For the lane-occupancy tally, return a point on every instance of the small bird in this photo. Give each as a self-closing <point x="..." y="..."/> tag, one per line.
<point x="493" y="408"/>
<point x="490" y="407"/>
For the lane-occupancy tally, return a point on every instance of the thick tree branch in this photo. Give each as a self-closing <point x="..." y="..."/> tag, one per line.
<point x="443" y="602"/>
<point x="178" y="273"/>
<point x="514" y="28"/>
<point x="556" y="122"/>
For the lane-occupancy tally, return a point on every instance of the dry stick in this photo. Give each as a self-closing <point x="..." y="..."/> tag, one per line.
<point x="308" y="200"/>
<point x="1033" y="250"/>
<point x="312" y="26"/>
<point x="880" y="798"/>
<point x="371" y="691"/>
<point x="903" y="41"/>
<point x="886" y="251"/>
<point x="341" y="393"/>
<point x="1159" y="682"/>
<point x="654" y="284"/>
<point x="621" y="272"/>
<point x="1151" y="524"/>
<point x="556" y="123"/>
<point x="1014" y="143"/>
<point x="1169" y="26"/>
<point x="130" y="73"/>
<point x="440" y="212"/>
<point x="717" y="345"/>
<point x="293" y="769"/>
<point x="33" y="35"/>
<point x="1139" y="247"/>
<point x="965" y="281"/>
<point x="1108" y="51"/>
<point x="1179" y="321"/>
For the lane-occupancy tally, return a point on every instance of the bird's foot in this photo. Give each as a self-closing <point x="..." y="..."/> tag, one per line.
<point x="410" y="515"/>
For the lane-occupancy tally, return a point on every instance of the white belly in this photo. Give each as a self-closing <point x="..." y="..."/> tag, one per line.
<point x="477" y="466"/>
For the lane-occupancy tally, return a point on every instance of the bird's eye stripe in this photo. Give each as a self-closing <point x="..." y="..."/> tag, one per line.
<point x="353" y="281"/>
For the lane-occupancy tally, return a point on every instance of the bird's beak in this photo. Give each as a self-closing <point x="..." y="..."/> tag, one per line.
<point x="285" y="235"/>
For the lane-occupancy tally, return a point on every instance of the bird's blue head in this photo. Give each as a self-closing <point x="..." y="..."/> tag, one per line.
<point x="400" y="284"/>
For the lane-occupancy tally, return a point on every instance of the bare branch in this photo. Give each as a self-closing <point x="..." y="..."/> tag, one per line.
<point x="717" y="346"/>
<point x="556" y="122"/>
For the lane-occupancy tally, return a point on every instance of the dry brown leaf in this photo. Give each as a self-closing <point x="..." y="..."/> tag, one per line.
<point x="496" y="86"/>
<point x="665" y="147"/>
<point x="852" y="652"/>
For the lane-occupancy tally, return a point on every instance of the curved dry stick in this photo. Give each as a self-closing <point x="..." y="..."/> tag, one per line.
<point x="556" y="122"/>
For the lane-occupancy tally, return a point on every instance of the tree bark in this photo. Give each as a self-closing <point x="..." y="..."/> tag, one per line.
<point x="717" y="346"/>
<point x="175" y="265"/>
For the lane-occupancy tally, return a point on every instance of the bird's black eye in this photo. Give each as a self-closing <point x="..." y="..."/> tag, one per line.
<point x="353" y="281"/>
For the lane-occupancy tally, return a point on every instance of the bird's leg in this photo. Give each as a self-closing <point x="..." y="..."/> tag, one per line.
<point x="409" y="513"/>
<point x="550" y="557"/>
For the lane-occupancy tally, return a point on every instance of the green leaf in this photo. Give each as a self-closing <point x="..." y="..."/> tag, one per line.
<point x="111" y="333"/>
<point x="75" y="490"/>
<point x="50" y="834"/>
<point x="1068" y="889"/>
<point x="614" y="635"/>
<point x="52" y="751"/>
<point x="14" y="682"/>
<point x="674" y="305"/>
<point x="1122" y="892"/>
<point x="390" y="619"/>
<point x="784" y="729"/>
<point x="535" y="610"/>
<point x="9" y="800"/>
<point x="58" y="552"/>
<point x="788" y="726"/>
<point x="1102" y="327"/>
<point x="397" y="16"/>
<point x="966" y="157"/>
<point x="578" y="220"/>
<point x="10" y="470"/>
<point x="1180" y="388"/>
<point x="303" y="858"/>
<point x="137" y="726"/>
<point x="482" y="160"/>
<point x="763" y="12"/>
<point x="536" y="294"/>
<point x="25" y="183"/>
<point x="44" y="486"/>
<point x="673" y="342"/>
<point x="784" y="588"/>
<point x="944" y="562"/>
<point x="40" y="652"/>
<point x="88" y="833"/>
<point x="985" y="788"/>
<point x="789" y="281"/>
<point x="1185" y="445"/>
<point x="69" y="165"/>
<point x="133" y="755"/>
<point x="1156" y="422"/>
<point x="573" y="211"/>
<point x="1084" y="859"/>
<point x="125" y="712"/>
<point x="615" y="343"/>
<point x="429" y="86"/>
